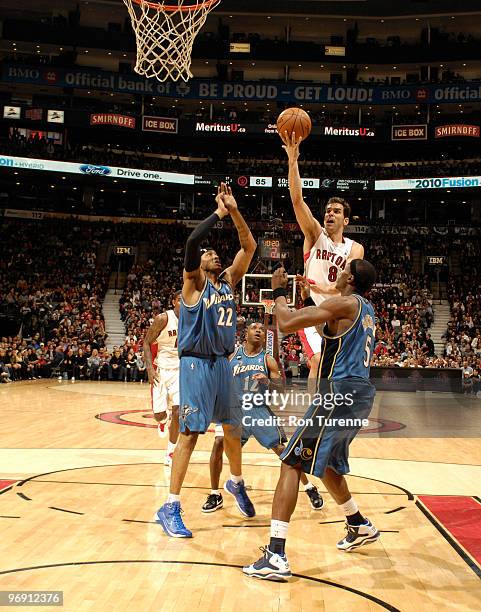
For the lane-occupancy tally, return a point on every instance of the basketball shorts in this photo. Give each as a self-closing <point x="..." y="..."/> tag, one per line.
<point x="165" y="393"/>
<point x="311" y="341"/>
<point x="207" y="394"/>
<point x="261" y="424"/>
<point x="324" y="434"/>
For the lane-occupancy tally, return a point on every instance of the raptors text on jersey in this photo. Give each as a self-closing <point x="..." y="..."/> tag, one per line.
<point x="325" y="261"/>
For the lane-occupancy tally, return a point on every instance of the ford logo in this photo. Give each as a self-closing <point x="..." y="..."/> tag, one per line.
<point x="99" y="170"/>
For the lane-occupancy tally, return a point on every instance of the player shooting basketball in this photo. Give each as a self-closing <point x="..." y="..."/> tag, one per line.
<point x="326" y="250"/>
<point x="207" y="327"/>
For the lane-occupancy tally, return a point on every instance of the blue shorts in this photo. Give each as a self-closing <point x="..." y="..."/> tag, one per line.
<point x="263" y="425"/>
<point x="207" y="394"/>
<point x="323" y="439"/>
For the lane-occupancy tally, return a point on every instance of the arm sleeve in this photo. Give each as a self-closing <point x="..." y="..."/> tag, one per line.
<point x="192" y="250"/>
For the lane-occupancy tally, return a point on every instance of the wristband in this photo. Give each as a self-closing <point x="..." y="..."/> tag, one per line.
<point x="309" y="301"/>
<point x="280" y="291"/>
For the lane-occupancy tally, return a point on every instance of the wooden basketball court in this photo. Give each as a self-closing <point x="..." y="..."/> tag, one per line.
<point x="79" y="492"/>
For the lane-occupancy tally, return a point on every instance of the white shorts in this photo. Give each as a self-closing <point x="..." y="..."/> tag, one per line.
<point x="311" y="341"/>
<point x="165" y="393"/>
<point x="218" y="431"/>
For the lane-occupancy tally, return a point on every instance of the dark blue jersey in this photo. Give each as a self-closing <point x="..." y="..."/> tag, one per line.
<point x="208" y="327"/>
<point x="349" y="354"/>
<point x="245" y="368"/>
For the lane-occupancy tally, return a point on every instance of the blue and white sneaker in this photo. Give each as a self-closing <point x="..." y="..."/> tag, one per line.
<point x="358" y="535"/>
<point x="271" y="566"/>
<point x="238" y="491"/>
<point x="170" y="517"/>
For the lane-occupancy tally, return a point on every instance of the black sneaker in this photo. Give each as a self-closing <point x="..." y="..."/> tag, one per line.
<point x="315" y="498"/>
<point x="213" y="502"/>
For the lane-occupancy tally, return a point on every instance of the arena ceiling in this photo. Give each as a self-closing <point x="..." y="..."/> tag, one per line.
<point x="353" y="8"/>
<point x="332" y="8"/>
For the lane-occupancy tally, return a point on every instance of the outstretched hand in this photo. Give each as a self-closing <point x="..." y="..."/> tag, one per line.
<point x="227" y="197"/>
<point x="304" y="286"/>
<point x="291" y="145"/>
<point x="279" y="279"/>
<point x="222" y="210"/>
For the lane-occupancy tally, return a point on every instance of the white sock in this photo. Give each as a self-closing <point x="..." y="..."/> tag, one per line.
<point x="308" y="486"/>
<point x="236" y="479"/>
<point x="215" y="492"/>
<point x="173" y="498"/>
<point x="279" y="529"/>
<point x="170" y="447"/>
<point x="350" y="507"/>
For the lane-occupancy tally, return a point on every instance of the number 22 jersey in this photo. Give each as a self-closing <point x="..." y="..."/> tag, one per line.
<point x="209" y="326"/>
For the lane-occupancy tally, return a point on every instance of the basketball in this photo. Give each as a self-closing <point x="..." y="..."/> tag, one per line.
<point x="294" y="120"/>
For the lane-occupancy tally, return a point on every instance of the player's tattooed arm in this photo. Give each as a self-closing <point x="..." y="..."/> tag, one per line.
<point x="333" y="309"/>
<point x="248" y="245"/>
<point x="310" y="227"/>
<point x="193" y="276"/>
<point x="150" y="337"/>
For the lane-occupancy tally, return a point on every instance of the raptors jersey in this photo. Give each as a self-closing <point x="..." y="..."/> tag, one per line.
<point x="324" y="262"/>
<point x="166" y="357"/>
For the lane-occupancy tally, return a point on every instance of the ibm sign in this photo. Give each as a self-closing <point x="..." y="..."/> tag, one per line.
<point x="440" y="260"/>
<point x="124" y="250"/>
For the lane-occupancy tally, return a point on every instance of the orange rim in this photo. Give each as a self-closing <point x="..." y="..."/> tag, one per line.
<point x="170" y="8"/>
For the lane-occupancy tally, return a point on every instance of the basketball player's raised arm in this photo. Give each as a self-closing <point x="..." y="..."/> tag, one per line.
<point x="194" y="277"/>
<point x="160" y="321"/>
<point x="290" y="321"/>
<point x="310" y="227"/>
<point x="244" y="256"/>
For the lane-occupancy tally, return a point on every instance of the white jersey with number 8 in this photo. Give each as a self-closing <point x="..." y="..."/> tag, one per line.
<point x="322" y="264"/>
<point x="325" y="261"/>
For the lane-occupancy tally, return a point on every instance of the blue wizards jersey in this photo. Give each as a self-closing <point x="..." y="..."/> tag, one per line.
<point x="245" y="367"/>
<point x="349" y="354"/>
<point x="208" y="327"/>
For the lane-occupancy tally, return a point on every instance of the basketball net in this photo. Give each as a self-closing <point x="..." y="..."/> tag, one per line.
<point x="165" y="35"/>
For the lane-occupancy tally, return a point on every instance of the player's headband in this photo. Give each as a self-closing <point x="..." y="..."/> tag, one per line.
<point x="206" y="250"/>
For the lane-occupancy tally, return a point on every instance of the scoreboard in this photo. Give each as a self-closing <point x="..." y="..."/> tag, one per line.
<point x="269" y="248"/>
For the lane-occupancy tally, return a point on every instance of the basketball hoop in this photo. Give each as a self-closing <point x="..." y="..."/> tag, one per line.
<point x="269" y="305"/>
<point x="165" y="35"/>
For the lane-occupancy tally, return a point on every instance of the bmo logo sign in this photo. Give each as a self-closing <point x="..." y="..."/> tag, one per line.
<point x="164" y="125"/>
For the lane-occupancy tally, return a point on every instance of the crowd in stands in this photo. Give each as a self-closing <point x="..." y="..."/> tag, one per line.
<point x="463" y="336"/>
<point x="55" y="288"/>
<point x="50" y="283"/>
